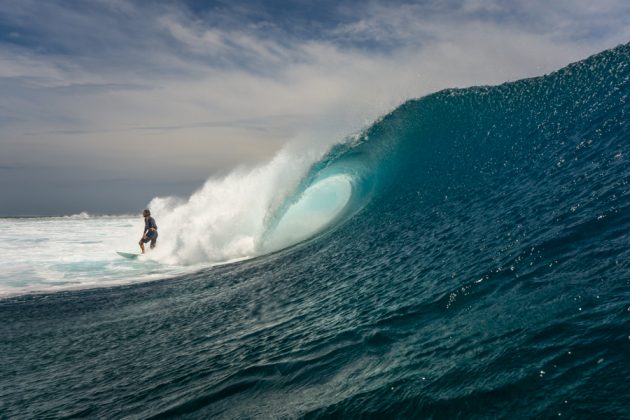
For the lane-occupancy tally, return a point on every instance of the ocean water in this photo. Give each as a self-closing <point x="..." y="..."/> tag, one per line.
<point x="466" y="256"/>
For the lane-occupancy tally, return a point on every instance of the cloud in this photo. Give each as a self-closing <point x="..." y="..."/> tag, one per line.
<point x="150" y="89"/>
<point x="272" y="123"/>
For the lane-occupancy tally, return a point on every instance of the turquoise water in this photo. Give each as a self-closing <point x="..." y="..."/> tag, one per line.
<point x="478" y="267"/>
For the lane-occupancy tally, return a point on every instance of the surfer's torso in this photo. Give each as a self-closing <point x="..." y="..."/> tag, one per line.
<point x="149" y="224"/>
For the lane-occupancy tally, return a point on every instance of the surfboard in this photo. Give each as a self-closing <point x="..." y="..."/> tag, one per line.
<point x="128" y="255"/>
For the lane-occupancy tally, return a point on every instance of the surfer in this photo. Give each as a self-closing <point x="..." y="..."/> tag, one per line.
<point x="150" y="230"/>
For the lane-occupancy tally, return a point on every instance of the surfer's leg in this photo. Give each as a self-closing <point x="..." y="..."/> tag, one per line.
<point x="141" y="245"/>
<point x="153" y="241"/>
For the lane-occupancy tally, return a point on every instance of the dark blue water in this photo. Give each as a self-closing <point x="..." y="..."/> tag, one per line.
<point x="482" y="269"/>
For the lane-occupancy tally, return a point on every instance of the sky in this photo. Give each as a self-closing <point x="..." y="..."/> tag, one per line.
<point x="105" y="104"/>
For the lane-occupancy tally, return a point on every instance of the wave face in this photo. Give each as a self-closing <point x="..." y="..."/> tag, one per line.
<point x="472" y="260"/>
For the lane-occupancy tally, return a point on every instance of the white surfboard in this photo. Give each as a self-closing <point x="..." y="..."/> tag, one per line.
<point x="128" y="255"/>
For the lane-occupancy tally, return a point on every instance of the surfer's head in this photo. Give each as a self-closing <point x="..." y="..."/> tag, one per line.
<point x="146" y="213"/>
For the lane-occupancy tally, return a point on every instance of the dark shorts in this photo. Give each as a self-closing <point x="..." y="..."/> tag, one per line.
<point x="151" y="237"/>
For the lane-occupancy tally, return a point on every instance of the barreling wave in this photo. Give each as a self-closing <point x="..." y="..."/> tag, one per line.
<point x="465" y="256"/>
<point x="252" y="212"/>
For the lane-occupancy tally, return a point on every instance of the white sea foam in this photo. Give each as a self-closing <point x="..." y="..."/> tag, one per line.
<point x="227" y="219"/>
<point x="58" y="253"/>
